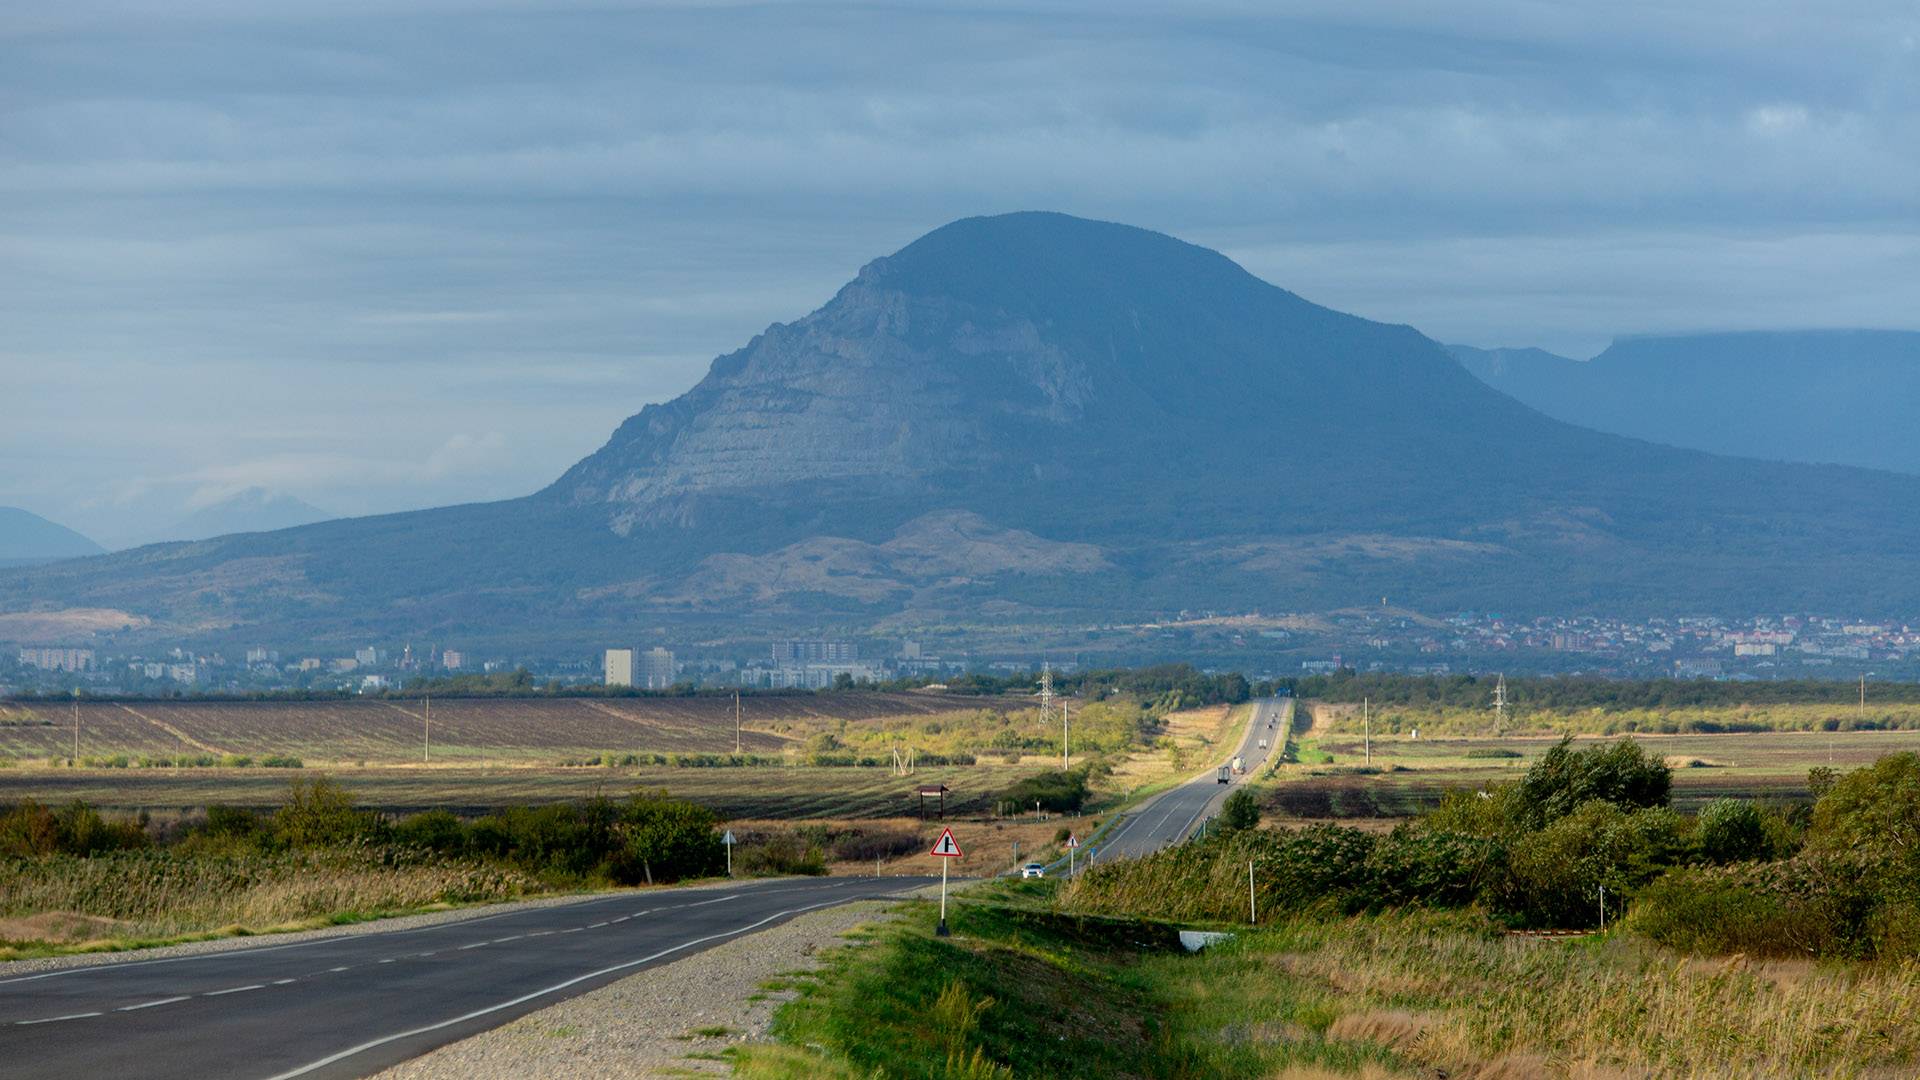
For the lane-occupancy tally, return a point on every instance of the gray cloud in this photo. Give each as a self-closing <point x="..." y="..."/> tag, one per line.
<point x="316" y="245"/>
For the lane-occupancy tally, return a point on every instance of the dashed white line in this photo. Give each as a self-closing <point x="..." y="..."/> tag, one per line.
<point x="340" y="969"/>
<point x="56" y="1019"/>
<point x="235" y="989"/>
<point x="389" y="959"/>
<point x="281" y="982"/>
<point x="623" y="918"/>
<point x="151" y="1004"/>
<point x="575" y="930"/>
<point x="475" y="945"/>
<point x="504" y="940"/>
<point x="595" y="926"/>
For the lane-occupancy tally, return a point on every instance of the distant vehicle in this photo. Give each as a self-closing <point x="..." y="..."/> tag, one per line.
<point x="1226" y="775"/>
<point x="1239" y="764"/>
<point x="1033" y="869"/>
<point x="1263" y="744"/>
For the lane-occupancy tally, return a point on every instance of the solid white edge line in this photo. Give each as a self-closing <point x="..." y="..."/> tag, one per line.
<point x="524" y="998"/>
<point x="151" y="1004"/>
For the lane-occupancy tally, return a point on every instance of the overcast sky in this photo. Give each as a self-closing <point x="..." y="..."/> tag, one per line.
<point x="383" y="255"/>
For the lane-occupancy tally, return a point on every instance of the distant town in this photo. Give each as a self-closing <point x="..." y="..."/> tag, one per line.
<point x="1266" y="646"/>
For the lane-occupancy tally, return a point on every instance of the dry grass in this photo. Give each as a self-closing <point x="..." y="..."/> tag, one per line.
<point x="1490" y="1006"/>
<point x="152" y="895"/>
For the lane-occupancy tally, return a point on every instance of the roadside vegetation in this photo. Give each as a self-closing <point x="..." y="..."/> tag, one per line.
<point x="73" y="876"/>
<point x="1761" y="941"/>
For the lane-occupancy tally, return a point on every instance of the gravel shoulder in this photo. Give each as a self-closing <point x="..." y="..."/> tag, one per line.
<point x="670" y="1021"/>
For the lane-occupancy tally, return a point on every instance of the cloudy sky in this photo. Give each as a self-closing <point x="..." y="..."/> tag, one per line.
<point x="381" y="255"/>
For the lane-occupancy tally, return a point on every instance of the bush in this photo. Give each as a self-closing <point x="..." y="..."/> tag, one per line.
<point x="1554" y="876"/>
<point x="30" y="830"/>
<point x="280" y="761"/>
<point x="1056" y="791"/>
<point x="1873" y="812"/>
<point x="1810" y="905"/>
<point x="1240" y="811"/>
<point x="1732" y="830"/>
<point x="777" y="854"/>
<point x="320" y="813"/>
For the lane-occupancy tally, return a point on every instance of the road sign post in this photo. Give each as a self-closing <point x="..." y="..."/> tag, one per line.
<point x="1073" y="844"/>
<point x="946" y="850"/>
<point x="728" y="840"/>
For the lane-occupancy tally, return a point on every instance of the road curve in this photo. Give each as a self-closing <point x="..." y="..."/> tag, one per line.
<point x="1172" y="815"/>
<point x="354" y="1004"/>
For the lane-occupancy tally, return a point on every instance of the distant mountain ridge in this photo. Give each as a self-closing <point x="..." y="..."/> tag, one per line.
<point x="1037" y="419"/>
<point x="27" y="538"/>
<point x="1842" y="397"/>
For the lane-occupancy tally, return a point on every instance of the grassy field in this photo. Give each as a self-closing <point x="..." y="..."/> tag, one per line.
<point x="1331" y="780"/>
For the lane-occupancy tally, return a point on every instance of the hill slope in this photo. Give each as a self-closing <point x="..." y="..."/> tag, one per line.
<point x="1034" y="417"/>
<point x="1838" y="396"/>
<point x="27" y="538"/>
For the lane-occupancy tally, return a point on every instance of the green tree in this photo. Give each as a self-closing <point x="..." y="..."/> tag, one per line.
<point x="1240" y="811"/>
<point x="1565" y="779"/>
<point x="1872" y="812"/>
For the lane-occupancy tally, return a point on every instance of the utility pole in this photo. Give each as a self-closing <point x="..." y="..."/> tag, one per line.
<point x="1366" y="711"/>
<point x="1500" y="705"/>
<point x="426" y="733"/>
<point x="736" y="722"/>
<point x="76" y="725"/>
<point x="1063" y="735"/>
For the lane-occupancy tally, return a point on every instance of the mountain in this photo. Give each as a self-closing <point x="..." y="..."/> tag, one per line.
<point x="1838" y="396"/>
<point x="27" y="538"/>
<point x="252" y="509"/>
<point x="1038" y="420"/>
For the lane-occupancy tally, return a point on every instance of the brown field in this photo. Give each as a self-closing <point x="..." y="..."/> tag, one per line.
<point x="475" y="730"/>
<point x="1416" y="773"/>
<point x="758" y="792"/>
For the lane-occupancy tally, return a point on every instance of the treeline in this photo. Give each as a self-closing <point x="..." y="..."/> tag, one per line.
<point x="1573" y="692"/>
<point x="1182" y="686"/>
<point x="1586" y="836"/>
<point x="646" y="837"/>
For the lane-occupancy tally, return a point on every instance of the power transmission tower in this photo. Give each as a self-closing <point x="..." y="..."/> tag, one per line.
<point x="1500" y="705"/>
<point x="426" y="732"/>
<point x="737" y="743"/>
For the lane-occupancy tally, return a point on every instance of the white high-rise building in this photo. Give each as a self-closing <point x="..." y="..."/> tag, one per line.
<point x="619" y="667"/>
<point x="658" y="664"/>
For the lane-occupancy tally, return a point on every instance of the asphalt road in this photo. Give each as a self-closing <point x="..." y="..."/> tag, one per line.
<point x="352" y="1005"/>
<point x="1173" y="815"/>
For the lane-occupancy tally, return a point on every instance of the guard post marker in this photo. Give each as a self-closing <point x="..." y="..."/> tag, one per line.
<point x="946" y="850"/>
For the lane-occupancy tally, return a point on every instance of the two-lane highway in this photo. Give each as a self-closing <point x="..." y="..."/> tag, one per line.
<point x="350" y="1005"/>
<point x="1171" y="816"/>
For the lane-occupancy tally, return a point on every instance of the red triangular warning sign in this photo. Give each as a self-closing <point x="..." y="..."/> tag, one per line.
<point x="1073" y="841"/>
<point x="945" y="846"/>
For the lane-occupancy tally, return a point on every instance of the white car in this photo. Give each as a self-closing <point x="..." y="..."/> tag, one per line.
<point x="1033" y="869"/>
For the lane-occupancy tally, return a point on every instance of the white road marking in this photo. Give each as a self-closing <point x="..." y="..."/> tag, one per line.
<point x="503" y="940"/>
<point x="56" y="1019"/>
<point x="575" y="930"/>
<point x="389" y="959"/>
<point x="151" y="1004"/>
<point x="475" y="945"/>
<point x="235" y="989"/>
<point x="595" y="926"/>
<point x="623" y="918"/>
<point x="340" y="969"/>
<point x="556" y="987"/>
<point x="721" y="900"/>
<point x="281" y="982"/>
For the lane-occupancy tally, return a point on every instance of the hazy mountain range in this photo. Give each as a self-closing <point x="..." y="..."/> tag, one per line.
<point x="27" y="538"/>
<point x="251" y="509"/>
<point x="1840" y="396"/>
<point x="1034" y="418"/>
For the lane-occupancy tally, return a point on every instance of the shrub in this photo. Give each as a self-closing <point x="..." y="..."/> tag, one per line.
<point x="1493" y="752"/>
<point x="1056" y="791"/>
<point x="320" y="813"/>
<point x="1873" y="812"/>
<point x="280" y="761"/>
<point x="1240" y="811"/>
<point x="1554" y="876"/>
<point x="1732" y="830"/>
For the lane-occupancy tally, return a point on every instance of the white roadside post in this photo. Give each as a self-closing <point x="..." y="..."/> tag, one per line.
<point x="728" y="840"/>
<point x="1073" y="843"/>
<point x="946" y="850"/>
<point x="1253" y="912"/>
